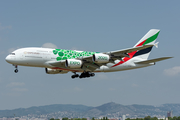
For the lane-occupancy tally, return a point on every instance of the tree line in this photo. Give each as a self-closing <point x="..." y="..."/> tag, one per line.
<point x="154" y="118"/>
<point x="70" y="119"/>
<point x="105" y="118"/>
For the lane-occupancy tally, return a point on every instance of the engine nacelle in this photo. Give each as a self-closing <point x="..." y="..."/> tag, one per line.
<point x="55" y="71"/>
<point x="73" y="63"/>
<point x="100" y="58"/>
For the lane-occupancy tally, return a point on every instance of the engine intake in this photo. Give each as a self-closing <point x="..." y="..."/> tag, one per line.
<point x="100" y="58"/>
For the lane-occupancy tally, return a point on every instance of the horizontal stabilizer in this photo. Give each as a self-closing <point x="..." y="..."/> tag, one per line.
<point x="153" y="60"/>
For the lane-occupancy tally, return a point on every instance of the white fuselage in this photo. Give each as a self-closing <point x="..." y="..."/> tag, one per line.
<point x="40" y="57"/>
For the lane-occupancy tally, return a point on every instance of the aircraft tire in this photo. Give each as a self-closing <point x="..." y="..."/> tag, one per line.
<point x="76" y="75"/>
<point x="16" y="70"/>
<point x="92" y="74"/>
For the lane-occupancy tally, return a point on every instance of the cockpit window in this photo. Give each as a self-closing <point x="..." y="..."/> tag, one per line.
<point x="12" y="53"/>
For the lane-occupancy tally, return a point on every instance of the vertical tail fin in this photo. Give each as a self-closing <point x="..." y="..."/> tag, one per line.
<point x="148" y="39"/>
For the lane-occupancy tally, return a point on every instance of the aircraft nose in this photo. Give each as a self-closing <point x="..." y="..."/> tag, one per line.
<point x="8" y="59"/>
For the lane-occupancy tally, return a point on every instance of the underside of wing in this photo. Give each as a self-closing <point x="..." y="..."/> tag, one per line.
<point x="60" y="64"/>
<point x="153" y="60"/>
<point x="85" y="65"/>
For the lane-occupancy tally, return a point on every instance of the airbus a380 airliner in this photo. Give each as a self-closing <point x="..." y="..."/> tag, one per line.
<point x="60" y="61"/>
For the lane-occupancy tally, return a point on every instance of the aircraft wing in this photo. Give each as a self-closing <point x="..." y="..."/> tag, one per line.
<point x="128" y="50"/>
<point x="120" y="53"/>
<point x="91" y="66"/>
<point x="153" y="60"/>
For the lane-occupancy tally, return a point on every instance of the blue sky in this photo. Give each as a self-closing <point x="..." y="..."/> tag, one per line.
<point x="91" y="26"/>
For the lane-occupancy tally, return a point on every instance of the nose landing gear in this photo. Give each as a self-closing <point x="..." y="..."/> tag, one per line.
<point x="16" y="70"/>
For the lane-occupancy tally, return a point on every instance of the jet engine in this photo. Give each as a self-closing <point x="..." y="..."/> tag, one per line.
<point x="73" y="63"/>
<point x="55" y="71"/>
<point x="100" y="58"/>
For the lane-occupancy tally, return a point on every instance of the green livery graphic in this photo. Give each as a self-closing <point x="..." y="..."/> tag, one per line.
<point x="70" y="54"/>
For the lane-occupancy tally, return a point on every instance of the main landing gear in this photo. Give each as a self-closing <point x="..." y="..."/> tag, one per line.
<point x="74" y="76"/>
<point x="16" y="70"/>
<point x="83" y="75"/>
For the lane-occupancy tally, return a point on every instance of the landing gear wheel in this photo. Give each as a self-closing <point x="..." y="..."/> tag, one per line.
<point x="92" y="74"/>
<point x="16" y="70"/>
<point x="74" y="76"/>
<point x="86" y="74"/>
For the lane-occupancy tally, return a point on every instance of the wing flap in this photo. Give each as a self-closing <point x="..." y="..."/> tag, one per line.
<point x="153" y="60"/>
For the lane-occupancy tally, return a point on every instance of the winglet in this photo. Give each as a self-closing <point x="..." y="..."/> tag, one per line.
<point x="156" y="44"/>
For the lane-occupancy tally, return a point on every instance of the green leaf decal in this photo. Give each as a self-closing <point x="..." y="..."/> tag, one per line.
<point x="55" y="52"/>
<point x="58" y="58"/>
<point x="70" y="54"/>
<point x="64" y="58"/>
<point x="60" y="53"/>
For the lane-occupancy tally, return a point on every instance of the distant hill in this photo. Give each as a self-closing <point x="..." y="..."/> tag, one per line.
<point x="44" y="110"/>
<point x="109" y="109"/>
